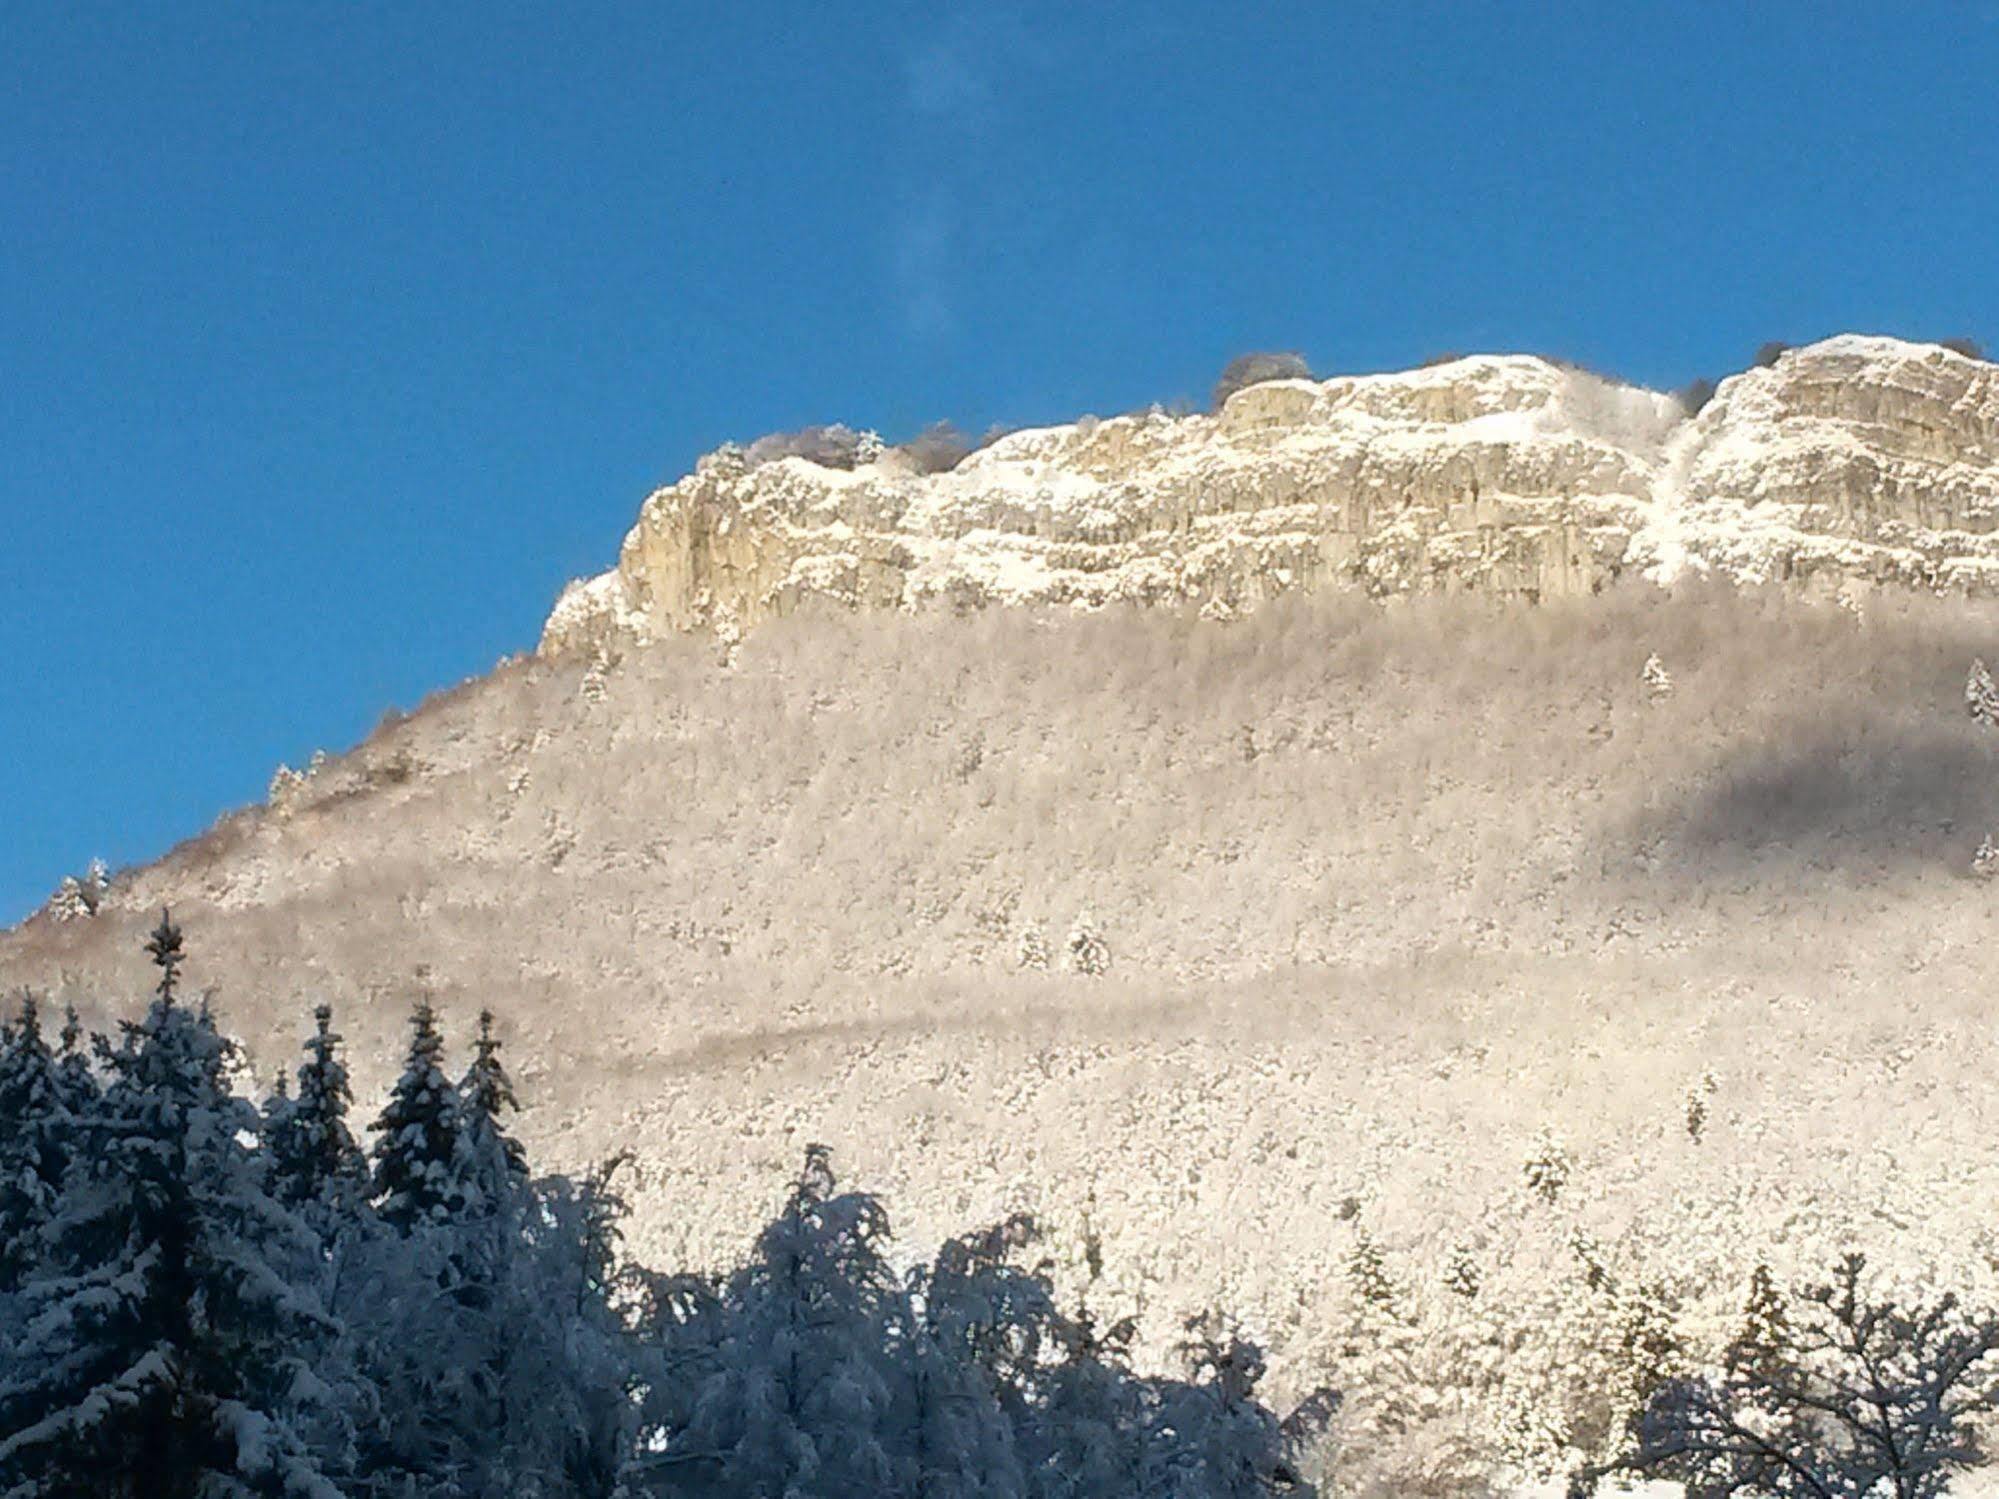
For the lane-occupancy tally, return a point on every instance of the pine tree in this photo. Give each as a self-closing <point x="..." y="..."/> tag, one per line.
<point x="1655" y="679"/>
<point x="313" y="1156"/>
<point x="490" y="1165"/>
<point x="1981" y="696"/>
<point x="413" y="1180"/>
<point x="1461" y="1275"/>
<point x="168" y="1348"/>
<point x="1211" y="1437"/>
<point x="1762" y="1341"/>
<point x="797" y="1397"/>
<point x="38" y="1135"/>
<point x="1367" y="1271"/>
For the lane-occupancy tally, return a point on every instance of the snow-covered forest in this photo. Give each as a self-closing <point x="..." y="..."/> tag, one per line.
<point x="200" y="1295"/>
<point x="205" y="1295"/>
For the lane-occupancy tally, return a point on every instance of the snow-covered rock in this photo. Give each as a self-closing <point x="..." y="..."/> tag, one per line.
<point x="1858" y="460"/>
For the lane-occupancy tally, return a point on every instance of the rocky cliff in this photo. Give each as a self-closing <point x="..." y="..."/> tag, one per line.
<point x="1857" y="459"/>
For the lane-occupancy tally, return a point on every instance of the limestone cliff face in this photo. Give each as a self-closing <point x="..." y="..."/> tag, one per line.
<point x="1854" y="459"/>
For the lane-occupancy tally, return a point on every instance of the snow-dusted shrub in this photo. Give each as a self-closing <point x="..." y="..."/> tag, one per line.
<point x="1696" y="1110"/>
<point x="729" y="459"/>
<point x="68" y="903"/>
<point x="1546" y="1168"/>
<point x="833" y="446"/>
<point x="969" y="755"/>
<point x="595" y="686"/>
<point x="1253" y="369"/>
<point x="1461" y="1275"/>
<point x="1695" y="394"/>
<point x="80" y="896"/>
<point x="937" y="449"/>
<point x="1032" y="950"/>
<point x="1981" y="696"/>
<point x="1589" y="1259"/>
<point x="286" y="784"/>
<point x="1656" y="680"/>
<point x="1985" y="862"/>
<point x="1367" y="1272"/>
<point x="1089" y="953"/>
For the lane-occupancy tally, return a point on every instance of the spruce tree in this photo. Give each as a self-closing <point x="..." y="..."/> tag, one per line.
<point x="73" y="1075"/>
<point x="169" y="1345"/>
<point x="1981" y="697"/>
<point x="490" y="1165"/>
<point x="37" y="1137"/>
<point x="313" y="1157"/>
<point x="798" y="1396"/>
<point x="413" y="1181"/>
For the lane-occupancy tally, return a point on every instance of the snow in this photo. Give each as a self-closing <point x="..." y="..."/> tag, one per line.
<point x="1826" y="461"/>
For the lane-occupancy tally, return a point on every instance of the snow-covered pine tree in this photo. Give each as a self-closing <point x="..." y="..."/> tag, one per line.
<point x="981" y="1327"/>
<point x="490" y="1165"/>
<point x="413" y="1181"/>
<point x="1655" y="679"/>
<point x="1762" y="1341"/>
<point x="1088" y="1431"/>
<point x="798" y="1398"/>
<point x="1462" y="1277"/>
<point x="1546" y="1168"/>
<point x="168" y="1347"/>
<point x="38" y="1135"/>
<point x="1981" y="696"/>
<point x="313" y="1157"/>
<point x="1211" y="1438"/>
<point x="69" y="902"/>
<point x="1985" y="859"/>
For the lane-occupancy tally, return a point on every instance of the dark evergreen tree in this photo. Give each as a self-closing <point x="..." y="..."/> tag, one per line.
<point x="37" y="1137"/>
<point x="312" y="1154"/>
<point x="490" y="1166"/>
<point x="414" y="1181"/>
<point x="73" y="1074"/>
<point x="796" y="1396"/>
<point x="168" y="1349"/>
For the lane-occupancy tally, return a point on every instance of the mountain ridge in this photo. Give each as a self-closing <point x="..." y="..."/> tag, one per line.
<point x="1853" y="462"/>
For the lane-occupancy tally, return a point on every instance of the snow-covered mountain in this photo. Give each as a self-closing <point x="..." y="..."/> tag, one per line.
<point x="1233" y="953"/>
<point x="1854" y="460"/>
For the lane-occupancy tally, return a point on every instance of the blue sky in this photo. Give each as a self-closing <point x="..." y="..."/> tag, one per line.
<point x="334" y="338"/>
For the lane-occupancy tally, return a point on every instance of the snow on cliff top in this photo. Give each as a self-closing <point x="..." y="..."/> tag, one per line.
<point x="1859" y="454"/>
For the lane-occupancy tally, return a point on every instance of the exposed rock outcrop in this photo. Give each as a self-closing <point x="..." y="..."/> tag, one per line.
<point x="1853" y="459"/>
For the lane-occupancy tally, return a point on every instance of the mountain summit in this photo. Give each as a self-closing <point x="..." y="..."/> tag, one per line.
<point x="1857" y="459"/>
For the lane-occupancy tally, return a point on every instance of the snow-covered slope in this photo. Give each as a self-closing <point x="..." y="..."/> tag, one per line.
<point x="1858" y="458"/>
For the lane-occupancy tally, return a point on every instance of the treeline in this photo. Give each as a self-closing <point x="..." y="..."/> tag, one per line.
<point x="204" y="1296"/>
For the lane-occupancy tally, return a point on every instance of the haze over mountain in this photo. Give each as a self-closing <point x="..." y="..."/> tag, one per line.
<point x="1236" y="839"/>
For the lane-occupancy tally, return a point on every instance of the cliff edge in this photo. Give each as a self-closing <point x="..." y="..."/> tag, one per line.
<point x="1858" y="460"/>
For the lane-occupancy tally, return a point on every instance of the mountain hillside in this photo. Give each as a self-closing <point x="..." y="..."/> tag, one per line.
<point x="1605" y="945"/>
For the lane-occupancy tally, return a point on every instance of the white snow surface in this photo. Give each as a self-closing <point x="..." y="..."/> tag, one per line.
<point x="1858" y="459"/>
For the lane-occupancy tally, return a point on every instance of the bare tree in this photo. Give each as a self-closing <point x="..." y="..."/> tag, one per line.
<point x="1254" y="369"/>
<point x="1860" y="1396"/>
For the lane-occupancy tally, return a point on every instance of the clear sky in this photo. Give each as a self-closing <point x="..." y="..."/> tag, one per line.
<point x="335" y="338"/>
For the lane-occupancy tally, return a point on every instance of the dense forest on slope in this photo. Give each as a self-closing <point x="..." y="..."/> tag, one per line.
<point x="1235" y="955"/>
<point x="201" y="1295"/>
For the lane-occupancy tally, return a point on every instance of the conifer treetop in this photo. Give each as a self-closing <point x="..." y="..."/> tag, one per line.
<point x="164" y="947"/>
